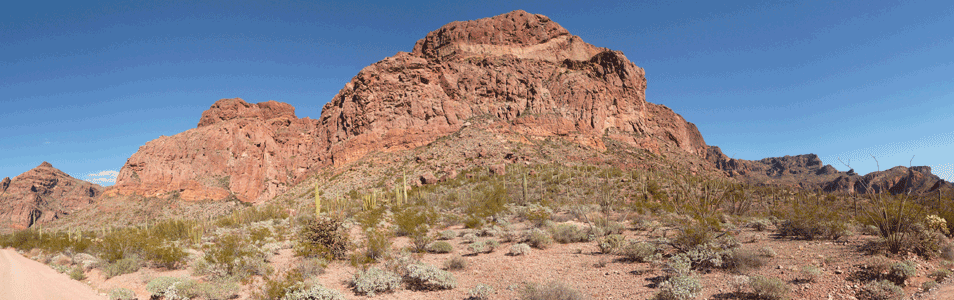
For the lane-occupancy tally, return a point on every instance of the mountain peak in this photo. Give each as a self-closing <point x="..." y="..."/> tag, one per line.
<point x="236" y="108"/>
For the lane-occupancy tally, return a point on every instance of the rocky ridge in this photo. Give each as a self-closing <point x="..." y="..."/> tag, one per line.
<point x="520" y="72"/>
<point x="808" y="171"/>
<point x="42" y="195"/>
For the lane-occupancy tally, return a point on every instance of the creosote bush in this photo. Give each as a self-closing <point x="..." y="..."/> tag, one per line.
<point x="456" y="263"/>
<point x="554" y="290"/>
<point x="569" y="233"/>
<point x="539" y="239"/>
<point x="440" y="247"/>
<point x="880" y="290"/>
<point x="639" y="251"/>
<point x="770" y="288"/>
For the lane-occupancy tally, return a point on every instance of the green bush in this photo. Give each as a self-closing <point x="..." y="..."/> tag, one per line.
<point x="693" y="236"/>
<point x="415" y="222"/>
<point x="429" y="278"/>
<point x="519" y="249"/>
<point x="769" y="287"/>
<point x="539" y="239"/>
<point x="448" y="234"/>
<point x="809" y="273"/>
<point x="930" y="284"/>
<point x="324" y="237"/>
<point x="480" y="292"/>
<point x="639" y="251"/>
<point x="171" y="288"/>
<point x="679" y="288"/>
<point x="456" y="263"/>
<point x="233" y="255"/>
<point x="121" y="294"/>
<point x="440" y="247"/>
<point x="569" y="233"/>
<point x="316" y="292"/>
<point x="373" y="280"/>
<point x="122" y="266"/>
<point x="740" y="261"/>
<point x="277" y="288"/>
<point x="554" y="290"/>
<point x="77" y="273"/>
<point x="900" y="272"/>
<point x="880" y="290"/>
<point x="940" y="274"/>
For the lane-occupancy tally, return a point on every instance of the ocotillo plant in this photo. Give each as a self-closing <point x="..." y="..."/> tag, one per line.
<point x="317" y="201"/>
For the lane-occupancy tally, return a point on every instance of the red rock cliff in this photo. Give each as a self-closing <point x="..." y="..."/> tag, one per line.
<point x="522" y="69"/>
<point x="41" y="195"/>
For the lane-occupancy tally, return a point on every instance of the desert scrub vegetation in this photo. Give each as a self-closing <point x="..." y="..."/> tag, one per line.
<point x="429" y="278"/>
<point x="680" y="287"/>
<point x="519" y="249"/>
<point x="554" y="290"/>
<point x="374" y="280"/>
<point x="323" y="237"/>
<point x="440" y="247"/>
<point x="880" y="290"/>
<point x="769" y="288"/>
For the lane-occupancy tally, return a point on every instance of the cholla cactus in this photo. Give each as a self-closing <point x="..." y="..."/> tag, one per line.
<point x="936" y="223"/>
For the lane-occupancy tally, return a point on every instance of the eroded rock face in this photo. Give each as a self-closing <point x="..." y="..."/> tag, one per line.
<point x="519" y="72"/>
<point x="523" y="69"/>
<point x="250" y="151"/>
<point x="43" y="194"/>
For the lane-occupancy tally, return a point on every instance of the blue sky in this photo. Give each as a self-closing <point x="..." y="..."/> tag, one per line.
<point x="84" y="84"/>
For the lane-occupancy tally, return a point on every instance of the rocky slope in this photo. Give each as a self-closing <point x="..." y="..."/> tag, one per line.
<point x="808" y="171"/>
<point x="41" y="195"/>
<point x="519" y="72"/>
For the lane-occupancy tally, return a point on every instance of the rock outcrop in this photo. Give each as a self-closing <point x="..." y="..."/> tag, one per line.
<point x="808" y="171"/>
<point x="41" y="195"/>
<point x="519" y="72"/>
<point x="522" y="69"/>
<point x="249" y="151"/>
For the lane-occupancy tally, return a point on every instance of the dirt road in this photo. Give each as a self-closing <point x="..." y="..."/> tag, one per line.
<point x="25" y="279"/>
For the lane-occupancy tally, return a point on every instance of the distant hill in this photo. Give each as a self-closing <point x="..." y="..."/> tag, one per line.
<point x="42" y="195"/>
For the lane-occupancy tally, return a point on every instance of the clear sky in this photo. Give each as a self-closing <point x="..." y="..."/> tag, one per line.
<point x="84" y="84"/>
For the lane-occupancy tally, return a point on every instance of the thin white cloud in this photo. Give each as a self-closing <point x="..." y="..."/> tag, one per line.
<point x="109" y="173"/>
<point x="105" y="177"/>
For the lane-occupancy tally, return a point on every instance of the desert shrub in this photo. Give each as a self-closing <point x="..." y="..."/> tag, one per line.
<point x="232" y="255"/>
<point x="448" y="235"/>
<point x="769" y="287"/>
<point x="539" y="239"/>
<point x="929" y="285"/>
<point x="739" y="283"/>
<point x="121" y="294"/>
<point x="324" y="237"/>
<point x="900" y="272"/>
<point x="77" y="273"/>
<point x="693" y="236"/>
<point x="740" y="260"/>
<point x="278" y="287"/>
<point x="554" y="290"/>
<point x="639" y="251"/>
<point x="440" y="247"/>
<point x="880" y="290"/>
<point x="415" y="223"/>
<point x="216" y="289"/>
<point x="679" y="288"/>
<point x="373" y="280"/>
<point x="455" y="263"/>
<point x="485" y="246"/>
<point x="519" y="249"/>
<point x="316" y="292"/>
<point x="480" y="292"/>
<point x="85" y="260"/>
<point x="377" y="244"/>
<point x="429" y="278"/>
<point x="678" y="265"/>
<point x="809" y="273"/>
<point x="760" y="224"/>
<point x="809" y="219"/>
<point x="604" y="227"/>
<point x="469" y="238"/>
<point x="312" y="267"/>
<point x="171" y="288"/>
<point x="767" y="252"/>
<point x="611" y="243"/>
<point x="122" y="266"/>
<point x="569" y="233"/>
<point x="940" y="274"/>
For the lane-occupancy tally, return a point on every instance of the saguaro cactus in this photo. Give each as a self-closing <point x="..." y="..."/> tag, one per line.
<point x="317" y="201"/>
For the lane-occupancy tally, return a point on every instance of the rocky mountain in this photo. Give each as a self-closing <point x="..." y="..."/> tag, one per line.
<point x="808" y="171"/>
<point x="518" y="73"/>
<point x="41" y="195"/>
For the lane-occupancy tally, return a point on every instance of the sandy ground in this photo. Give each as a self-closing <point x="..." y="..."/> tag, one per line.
<point x="25" y="279"/>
